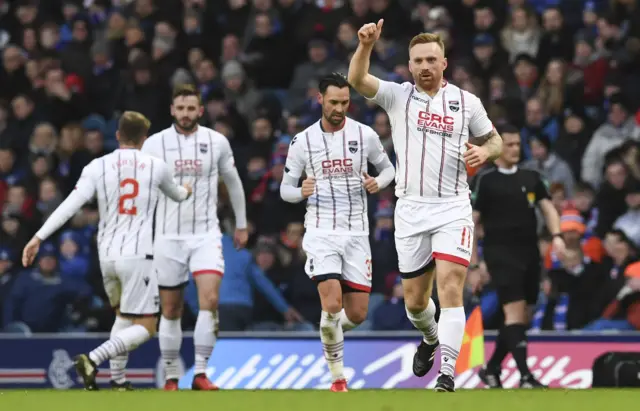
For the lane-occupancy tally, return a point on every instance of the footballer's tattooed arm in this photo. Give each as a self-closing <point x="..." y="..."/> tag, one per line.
<point x="492" y="141"/>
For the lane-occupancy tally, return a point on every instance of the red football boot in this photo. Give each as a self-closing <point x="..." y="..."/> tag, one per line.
<point x="339" y="386"/>
<point x="202" y="383"/>
<point x="171" y="385"/>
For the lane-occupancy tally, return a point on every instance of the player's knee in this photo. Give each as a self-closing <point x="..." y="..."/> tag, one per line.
<point x="450" y="294"/>
<point x="357" y="316"/>
<point x="209" y="301"/>
<point x="172" y="310"/>
<point x="332" y="304"/>
<point x="416" y="303"/>
<point x="330" y="293"/>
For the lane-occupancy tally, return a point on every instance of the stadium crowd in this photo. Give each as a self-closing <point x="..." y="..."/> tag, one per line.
<point x="567" y="73"/>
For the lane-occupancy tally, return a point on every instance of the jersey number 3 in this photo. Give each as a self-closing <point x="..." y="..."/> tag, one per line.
<point x="129" y="196"/>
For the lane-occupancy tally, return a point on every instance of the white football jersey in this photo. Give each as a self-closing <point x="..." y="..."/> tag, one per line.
<point x="127" y="184"/>
<point x="198" y="159"/>
<point x="429" y="136"/>
<point x="337" y="161"/>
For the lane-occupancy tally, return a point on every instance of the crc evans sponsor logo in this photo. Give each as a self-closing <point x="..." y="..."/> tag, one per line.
<point x="435" y="124"/>
<point x="337" y="168"/>
<point x="188" y="168"/>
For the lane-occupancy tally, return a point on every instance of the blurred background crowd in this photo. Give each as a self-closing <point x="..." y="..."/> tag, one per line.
<point x="566" y="72"/>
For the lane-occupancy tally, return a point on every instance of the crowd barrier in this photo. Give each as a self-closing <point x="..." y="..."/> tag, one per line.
<point x="294" y="361"/>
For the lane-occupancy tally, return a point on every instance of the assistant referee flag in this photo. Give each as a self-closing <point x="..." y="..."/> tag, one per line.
<point x="472" y="350"/>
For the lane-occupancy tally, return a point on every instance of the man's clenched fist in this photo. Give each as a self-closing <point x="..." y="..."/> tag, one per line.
<point x="370" y="32"/>
<point x="308" y="187"/>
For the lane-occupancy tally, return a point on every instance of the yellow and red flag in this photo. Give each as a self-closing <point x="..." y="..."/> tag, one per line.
<point x="472" y="350"/>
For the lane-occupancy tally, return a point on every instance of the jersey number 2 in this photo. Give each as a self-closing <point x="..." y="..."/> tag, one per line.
<point x="130" y="196"/>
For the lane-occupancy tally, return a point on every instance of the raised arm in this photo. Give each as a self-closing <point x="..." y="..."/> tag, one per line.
<point x="359" y="77"/>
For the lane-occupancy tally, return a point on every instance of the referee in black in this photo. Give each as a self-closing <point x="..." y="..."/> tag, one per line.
<point x="505" y="198"/>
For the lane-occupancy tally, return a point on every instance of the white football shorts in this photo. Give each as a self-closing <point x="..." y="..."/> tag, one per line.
<point x="427" y="231"/>
<point x="132" y="286"/>
<point x="344" y="255"/>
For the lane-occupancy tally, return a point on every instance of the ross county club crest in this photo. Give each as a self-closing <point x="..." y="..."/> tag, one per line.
<point x="353" y="146"/>
<point x="58" y="372"/>
<point x="454" y="105"/>
<point x="204" y="148"/>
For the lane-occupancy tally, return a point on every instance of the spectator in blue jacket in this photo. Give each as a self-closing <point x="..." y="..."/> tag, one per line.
<point x="40" y="296"/>
<point x="73" y="264"/>
<point x="391" y="315"/>
<point x="241" y="277"/>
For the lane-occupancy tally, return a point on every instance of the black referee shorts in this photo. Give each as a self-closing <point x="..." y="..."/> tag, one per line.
<point x="515" y="272"/>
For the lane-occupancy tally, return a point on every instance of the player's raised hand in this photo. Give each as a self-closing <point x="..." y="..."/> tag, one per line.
<point x="308" y="186"/>
<point x="30" y="251"/>
<point x="240" y="237"/>
<point x="370" y="183"/>
<point x="475" y="156"/>
<point x="370" y="32"/>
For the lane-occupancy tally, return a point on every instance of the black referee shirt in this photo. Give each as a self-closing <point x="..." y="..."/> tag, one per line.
<point x="507" y="200"/>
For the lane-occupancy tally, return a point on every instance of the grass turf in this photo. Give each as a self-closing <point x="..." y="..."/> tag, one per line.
<point x="314" y="400"/>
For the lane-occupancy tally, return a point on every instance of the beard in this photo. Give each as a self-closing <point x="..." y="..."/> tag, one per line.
<point x="428" y="82"/>
<point x="334" y="119"/>
<point x="186" y="123"/>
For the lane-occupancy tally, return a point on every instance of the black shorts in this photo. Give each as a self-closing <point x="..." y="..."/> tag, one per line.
<point x="515" y="272"/>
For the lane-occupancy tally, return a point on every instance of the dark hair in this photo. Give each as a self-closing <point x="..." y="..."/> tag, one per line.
<point x="508" y="129"/>
<point x="623" y="237"/>
<point x="133" y="127"/>
<point x="186" y="90"/>
<point x="583" y="187"/>
<point x="333" y="79"/>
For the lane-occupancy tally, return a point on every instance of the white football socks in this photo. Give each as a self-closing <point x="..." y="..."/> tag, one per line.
<point x="204" y="339"/>
<point x="451" y="332"/>
<point x="118" y="364"/>
<point x="332" y="339"/>
<point x="170" y="336"/>
<point x="122" y="342"/>
<point x="425" y="322"/>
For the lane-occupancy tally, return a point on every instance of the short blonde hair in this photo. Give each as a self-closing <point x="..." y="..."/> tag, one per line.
<point x="426" y="38"/>
<point x="133" y="127"/>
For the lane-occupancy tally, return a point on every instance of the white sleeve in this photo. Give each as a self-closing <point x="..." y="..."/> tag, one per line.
<point x="296" y="159"/>
<point x="84" y="191"/>
<point x="289" y="190"/>
<point x="226" y="162"/>
<point x="168" y="185"/>
<point x="479" y="123"/>
<point x="375" y="151"/>
<point x="389" y="94"/>
<point x="378" y="157"/>
<point x="229" y="173"/>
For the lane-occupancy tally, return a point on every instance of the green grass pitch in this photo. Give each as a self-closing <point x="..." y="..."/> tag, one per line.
<point x="314" y="400"/>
